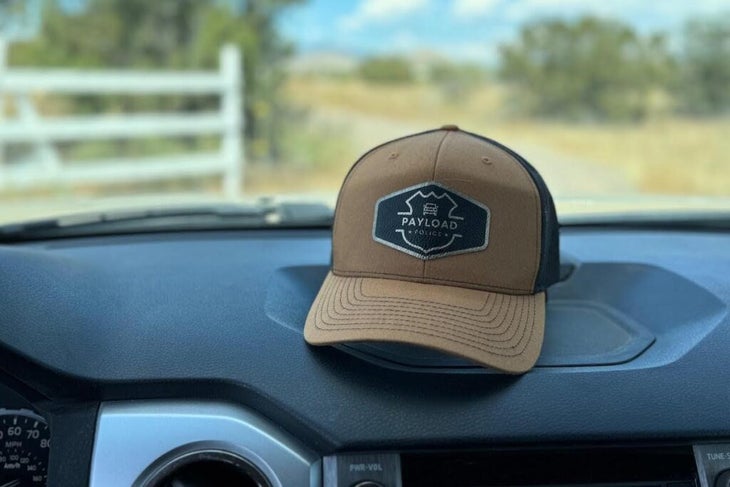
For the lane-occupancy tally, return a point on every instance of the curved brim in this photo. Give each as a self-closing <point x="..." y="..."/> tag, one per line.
<point x="495" y="330"/>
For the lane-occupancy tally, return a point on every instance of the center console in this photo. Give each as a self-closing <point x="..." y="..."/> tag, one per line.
<point x="705" y="465"/>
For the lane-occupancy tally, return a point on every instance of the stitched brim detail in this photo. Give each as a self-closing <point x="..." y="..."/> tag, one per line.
<point x="500" y="331"/>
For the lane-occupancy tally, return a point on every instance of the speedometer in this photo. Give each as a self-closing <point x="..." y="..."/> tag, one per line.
<point x="24" y="445"/>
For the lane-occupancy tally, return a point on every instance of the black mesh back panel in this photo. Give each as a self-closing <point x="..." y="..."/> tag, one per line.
<point x="549" y="272"/>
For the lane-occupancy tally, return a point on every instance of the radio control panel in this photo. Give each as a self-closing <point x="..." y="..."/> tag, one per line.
<point x="601" y="466"/>
<point x="713" y="464"/>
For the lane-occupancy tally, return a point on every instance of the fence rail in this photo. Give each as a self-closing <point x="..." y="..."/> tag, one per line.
<point x="74" y="81"/>
<point x="109" y="127"/>
<point x="47" y="168"/>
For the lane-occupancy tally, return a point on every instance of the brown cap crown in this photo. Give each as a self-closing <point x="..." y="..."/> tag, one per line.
<point x="468" y="165"/>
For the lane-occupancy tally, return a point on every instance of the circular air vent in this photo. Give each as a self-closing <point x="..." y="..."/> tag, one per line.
<point x="203" y="468"/>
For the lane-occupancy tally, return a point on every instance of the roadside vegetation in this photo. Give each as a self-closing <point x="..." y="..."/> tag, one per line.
<point x="592" y="91"/>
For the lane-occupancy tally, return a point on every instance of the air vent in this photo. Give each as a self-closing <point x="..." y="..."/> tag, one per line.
<point x="203" y="468"/>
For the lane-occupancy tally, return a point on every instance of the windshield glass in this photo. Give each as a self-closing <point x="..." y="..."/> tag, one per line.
<point x="622" y="106"/>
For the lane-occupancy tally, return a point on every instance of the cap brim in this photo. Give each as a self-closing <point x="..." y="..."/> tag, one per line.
<point x="496" y="330"/>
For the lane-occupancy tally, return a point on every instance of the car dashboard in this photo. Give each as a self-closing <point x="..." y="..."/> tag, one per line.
<point x="178" y="359"/>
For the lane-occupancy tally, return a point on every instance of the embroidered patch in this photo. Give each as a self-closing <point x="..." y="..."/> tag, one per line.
<point x="429" y="221"/>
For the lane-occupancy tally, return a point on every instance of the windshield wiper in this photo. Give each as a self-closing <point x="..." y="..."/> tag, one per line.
<point x="215" y="217"/>
<point x="715" y="220"/>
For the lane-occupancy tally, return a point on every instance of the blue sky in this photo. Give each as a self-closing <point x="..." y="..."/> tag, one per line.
<point x="462" y="29"/>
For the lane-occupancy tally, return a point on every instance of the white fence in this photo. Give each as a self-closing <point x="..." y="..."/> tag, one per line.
<point x="46" y="167"/>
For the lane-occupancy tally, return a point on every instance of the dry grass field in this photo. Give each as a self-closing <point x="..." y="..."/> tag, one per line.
<point x="661" y="155"/>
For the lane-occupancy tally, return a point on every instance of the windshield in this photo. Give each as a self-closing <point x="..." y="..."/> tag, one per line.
<point x="623" y="107"/>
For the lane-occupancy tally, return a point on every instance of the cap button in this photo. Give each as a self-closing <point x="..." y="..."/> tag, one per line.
<point x="449" y="127"/>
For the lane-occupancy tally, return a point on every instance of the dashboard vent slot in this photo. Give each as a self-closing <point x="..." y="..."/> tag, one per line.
<point x="636" y="467"/>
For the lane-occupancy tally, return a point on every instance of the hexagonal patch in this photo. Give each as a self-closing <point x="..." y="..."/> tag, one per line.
<point x="429" y="221"/>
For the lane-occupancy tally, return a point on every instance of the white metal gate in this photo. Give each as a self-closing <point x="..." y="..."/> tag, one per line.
<point x="47" y="168"/>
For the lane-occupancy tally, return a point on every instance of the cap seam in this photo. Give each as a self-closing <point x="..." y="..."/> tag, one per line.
<point x="465" y="310"/>
<point x="354" y="168"/>
<point x="362" y="322"/>
<point x="421" y="303"/>
<point x="535" y="202"/>
<point x="435" y="334"/>
<point x="405" y="302"/>
<point x="517" y="357"/>
<point x="528" y="169"/>
<point x="433" y="178"/>
<point x="438" y="153"/>
<point x="478" y="326"/>
<point x="451" y="335"/>
<point x="434" y="281"/>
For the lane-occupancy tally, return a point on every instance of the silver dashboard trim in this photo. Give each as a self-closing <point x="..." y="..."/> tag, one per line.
<point x="132" y="435"/>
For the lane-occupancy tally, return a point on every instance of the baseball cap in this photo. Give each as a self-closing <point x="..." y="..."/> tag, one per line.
<point x="443" y="239"/>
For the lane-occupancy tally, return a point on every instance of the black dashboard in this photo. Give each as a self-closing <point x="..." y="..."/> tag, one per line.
<point x="140" y="350"/>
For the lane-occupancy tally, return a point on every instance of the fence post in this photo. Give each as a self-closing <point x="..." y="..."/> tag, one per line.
<point x="231" y="106"/>
<point x="3" y="63"/>
<point x="43" y="148"/>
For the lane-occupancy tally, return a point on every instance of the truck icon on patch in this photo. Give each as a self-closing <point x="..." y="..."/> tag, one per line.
<point x="430" y="209"/>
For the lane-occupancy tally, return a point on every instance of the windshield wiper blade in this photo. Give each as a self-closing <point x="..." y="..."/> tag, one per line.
<point x="214" y="217"/>
<point x="714" y="220"/>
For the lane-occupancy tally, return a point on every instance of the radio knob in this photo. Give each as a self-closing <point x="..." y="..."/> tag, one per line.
<point x="723" y="479"/>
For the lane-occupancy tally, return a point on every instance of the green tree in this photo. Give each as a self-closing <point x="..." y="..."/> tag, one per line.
<point x="386" y="69"/>
<point x="584" y="69"/>
<point x="456" y="81"/>
<point x="704" y="67"/>
<point x="170" y="34"/>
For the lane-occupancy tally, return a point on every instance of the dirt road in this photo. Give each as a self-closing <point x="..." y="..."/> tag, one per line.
<point x="565" y="176"/>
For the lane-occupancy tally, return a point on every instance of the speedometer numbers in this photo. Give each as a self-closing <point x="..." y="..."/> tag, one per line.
<point x="24" y="446"/>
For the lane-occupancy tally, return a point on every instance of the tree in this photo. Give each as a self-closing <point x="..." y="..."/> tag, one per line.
<point x="456" y="81"/>
<point x="386" y="69"/>
<point x="584" y="69"/>
<point x="160" y="34"/>
<point x="704" y="77"/>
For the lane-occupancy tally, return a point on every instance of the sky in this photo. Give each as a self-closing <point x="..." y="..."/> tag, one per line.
<point x="462" y="30"/>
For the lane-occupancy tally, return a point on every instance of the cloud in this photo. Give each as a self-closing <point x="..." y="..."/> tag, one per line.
<point x="530" y="8"/>
<point x="696" y="7"/>
<point x="468" y="9"/>
<point x="380" y="11"/>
